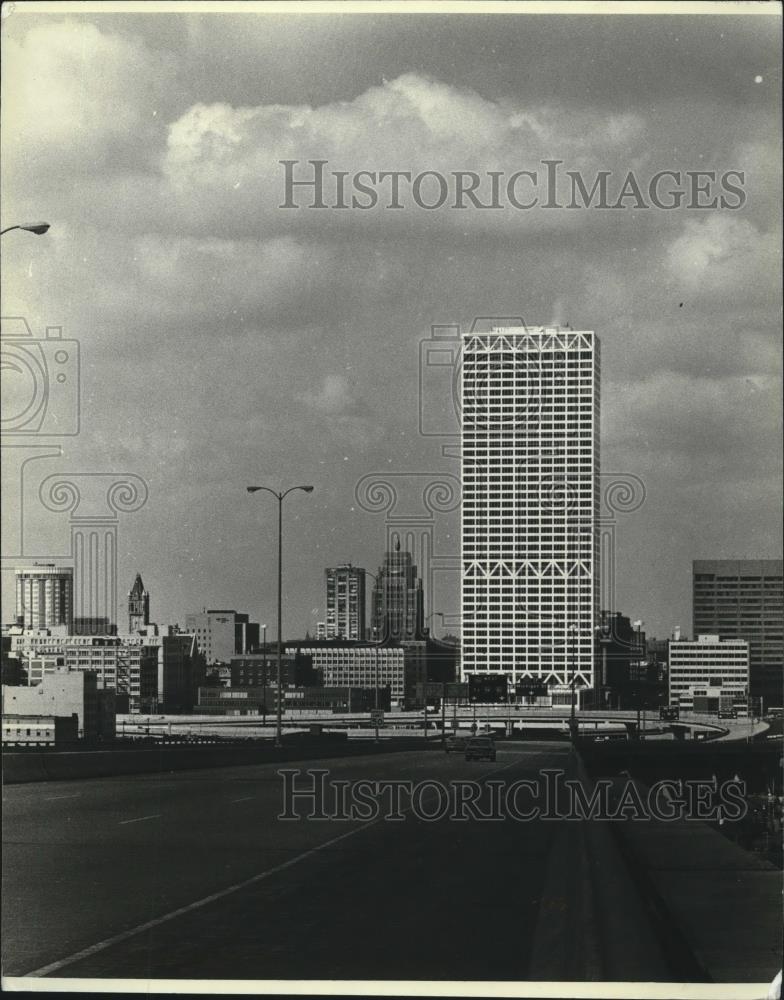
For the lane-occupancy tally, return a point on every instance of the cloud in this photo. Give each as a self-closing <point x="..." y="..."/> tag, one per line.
<point x="222" y="163"/>
<point x="341" y="415"/>
<point x="333" y="396"/>
<point x="81" y="98"/>
<point x="722" y="256"/>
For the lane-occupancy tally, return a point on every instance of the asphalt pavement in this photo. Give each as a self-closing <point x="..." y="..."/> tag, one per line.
<point x="193" y="875"/>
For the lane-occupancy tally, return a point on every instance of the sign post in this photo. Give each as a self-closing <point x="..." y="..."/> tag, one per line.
<point x="443" y="715"/>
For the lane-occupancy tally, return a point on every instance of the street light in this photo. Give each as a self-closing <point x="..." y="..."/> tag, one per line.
<point x="439" y="613"/>
<point x="264" y="678"/>
<point x="39" y="228"/>
<point x="638" y="681"/>
<point x="376" y="646"/>
<point x="280" y="498"/>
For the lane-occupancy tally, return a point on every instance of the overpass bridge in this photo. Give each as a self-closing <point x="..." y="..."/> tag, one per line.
<point x="506" y="720"/>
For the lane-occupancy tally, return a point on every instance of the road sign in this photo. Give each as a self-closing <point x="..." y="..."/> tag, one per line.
<point x="530" y="689"/>
<point x="490" y="689"/>
<point x="377" y="717"/>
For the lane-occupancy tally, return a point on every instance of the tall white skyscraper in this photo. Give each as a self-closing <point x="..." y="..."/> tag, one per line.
<point x="530" y="469"/>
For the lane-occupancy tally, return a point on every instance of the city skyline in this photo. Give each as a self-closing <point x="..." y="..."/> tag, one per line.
<point x="310" y="323"/>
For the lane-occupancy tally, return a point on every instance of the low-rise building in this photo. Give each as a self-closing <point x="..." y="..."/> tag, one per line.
<point x="708" y="664"/>
<point x="261" y="669"/>
<point x="52" y="731"/>
<point x="66" y="692"/>
<point x="336" y="699"/>
<point x="236" y="700"/>
<point x="152" y="670"/>
<point x="221" y="635"/>
<point x="368" y="665"/>
<point x="263" y="700"/>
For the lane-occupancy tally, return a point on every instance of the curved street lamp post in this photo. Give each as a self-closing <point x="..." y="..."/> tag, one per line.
<point x="280" y="498"/>
<point x="39" y="228"/>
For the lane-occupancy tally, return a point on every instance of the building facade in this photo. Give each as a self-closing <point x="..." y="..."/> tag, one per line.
<point x="744" y="599"/>
<point x="398" y="599"/>
<point x="345" y="602"/>
<point x="44" y="596"/>
<point x="220" y="635"/>
<point x="365" y="665"/>
<point x="263" y="700"/>
<point x="40" y="731"/>
<point x="336" y="699"/>
<point x="261" y="669"/>
<point x="237" y="700"/>
<point x="66" y="692"/>
<point x="530" y="507"/>
<point x="129" y="669"/>
<point x="621" y="660"/>
<point x="94" y="626"/>
<point x="707" y="664"/>
<point x="148" y="672"/>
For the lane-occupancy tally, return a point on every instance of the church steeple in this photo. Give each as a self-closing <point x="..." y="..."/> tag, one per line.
<point x="138" y="606"/>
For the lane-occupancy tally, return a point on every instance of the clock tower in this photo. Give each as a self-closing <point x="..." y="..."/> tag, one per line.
<point x="138" y="606"/>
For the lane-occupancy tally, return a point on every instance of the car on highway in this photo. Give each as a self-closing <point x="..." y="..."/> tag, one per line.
<point x="480" y="748"/>
<point x="456" y="742"/>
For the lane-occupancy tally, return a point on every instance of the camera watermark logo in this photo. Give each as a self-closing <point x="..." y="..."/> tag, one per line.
<point x="41" y="394"/>
<point x="40" y="381"/>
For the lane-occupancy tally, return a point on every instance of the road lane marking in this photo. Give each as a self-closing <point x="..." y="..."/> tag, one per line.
<point x="246" y="799"/>
<point x="139" y="819"/>
<point x="53" y="798"/>
<point x="93" y="949"/>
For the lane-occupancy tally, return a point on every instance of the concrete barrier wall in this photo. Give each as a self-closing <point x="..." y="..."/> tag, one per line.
<point x="74" y="765"/>
<point x="758" y="764"/>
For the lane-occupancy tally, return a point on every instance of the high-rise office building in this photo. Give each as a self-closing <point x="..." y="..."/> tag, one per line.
<point x="530" y="469"/>
<point x="138" y="606"/>
<point x="44" y="596"/>
<point x="398" y="599"/>
<point x="220" y="635"/>
<point x="744" y="599"/>
<point x="345" y="602"/>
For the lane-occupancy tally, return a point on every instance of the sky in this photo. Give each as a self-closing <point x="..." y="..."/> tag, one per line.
<point x="225" y="341"/>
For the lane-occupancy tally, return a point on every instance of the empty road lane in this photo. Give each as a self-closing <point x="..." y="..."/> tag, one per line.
<point x="193" y="875"/>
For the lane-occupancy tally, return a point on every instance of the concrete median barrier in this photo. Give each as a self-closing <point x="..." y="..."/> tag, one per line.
<point x="52" y="765"/>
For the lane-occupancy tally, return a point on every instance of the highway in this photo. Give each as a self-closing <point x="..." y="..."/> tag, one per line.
<point x="192" y="875"/>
